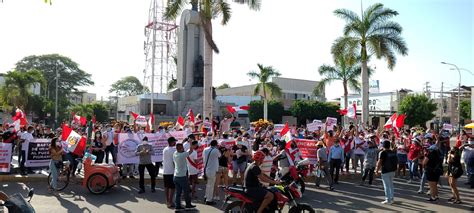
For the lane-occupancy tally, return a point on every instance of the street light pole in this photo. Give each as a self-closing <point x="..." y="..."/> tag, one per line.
<point x="459" y="96"/>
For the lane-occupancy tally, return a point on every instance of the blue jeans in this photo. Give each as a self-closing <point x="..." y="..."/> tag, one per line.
<point x="182" y="186"/>
<point x="422" y="182"/>
<point x="387" y="179"/>
<point x="413" y="167"/>
<point x="54" y="173"/>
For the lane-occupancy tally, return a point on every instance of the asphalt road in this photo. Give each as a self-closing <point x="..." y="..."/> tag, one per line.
<point x="348" y="197"/>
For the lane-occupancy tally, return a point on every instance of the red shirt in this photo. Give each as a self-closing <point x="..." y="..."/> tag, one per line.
<point x="414" y="152"/>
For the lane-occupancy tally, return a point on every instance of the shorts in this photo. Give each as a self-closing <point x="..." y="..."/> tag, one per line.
<point x="193" y="179"/>
<point x="402" y="158"/>
<point x="257" y="193"/>
<point x="223" y="170"/>
<point x="236" y="167"/>
<point x="168" y="181"/>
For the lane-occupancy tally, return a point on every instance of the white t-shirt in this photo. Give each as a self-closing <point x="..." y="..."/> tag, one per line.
<point x="168" y="164"/>
<point x="186" y="146"/>
<point x="266" y="166"/>
<point x="191" y="169"/>
<point x="213" y="159"/>
<point x="360" y="150"/>
<point x="27" y="137"/>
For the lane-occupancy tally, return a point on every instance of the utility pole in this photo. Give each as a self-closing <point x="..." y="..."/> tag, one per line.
<point x="442" y="104"/>
<point x="427" y="89"/>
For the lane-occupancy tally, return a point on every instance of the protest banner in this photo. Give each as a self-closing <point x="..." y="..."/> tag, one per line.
<point x="331" y="123"/>
<point x="316" y="125"/>
<point x="227" y="143"/>
<point x="37" y="153"/>
<point x="128" y="143"/>
<point x="448" y="127"/>
<point x="5" y="156"/>
<point x="308" y="149"/>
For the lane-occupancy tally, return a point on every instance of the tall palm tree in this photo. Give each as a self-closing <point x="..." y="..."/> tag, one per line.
<point x="264" y="88"/>
<point x="17" y="87"/>
<point x="372" y="33"/>
<point x="347" y="69"/>
<point x="208" y="10"/>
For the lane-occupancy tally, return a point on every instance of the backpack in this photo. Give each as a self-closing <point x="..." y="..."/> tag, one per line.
<point x="391" y="162"/>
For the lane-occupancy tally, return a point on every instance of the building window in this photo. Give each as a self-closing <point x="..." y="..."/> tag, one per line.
<point x="157" y="109"/>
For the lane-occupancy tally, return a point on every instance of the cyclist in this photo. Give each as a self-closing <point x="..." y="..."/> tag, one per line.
<point x="253" y="176"/>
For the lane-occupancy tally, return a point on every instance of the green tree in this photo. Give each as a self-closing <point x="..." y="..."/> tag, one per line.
<point x="101" y="111"/>
<point x="224" y="86"/>
<point x="208" y="10"/>
<point x="275" y="109"/>
<point x="172" y="84"/>
<point x="418" y="108"/>
<point x="16" y="91"/>
<point x="308" y="110"/>
<point x="128" y="86"/>
<point x="264" y="88"/>
<point x="465" y="109"/>
<point x="372" y="33"/>
<point x="347" y="69"/>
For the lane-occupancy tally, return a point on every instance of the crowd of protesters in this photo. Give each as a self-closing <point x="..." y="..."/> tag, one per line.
<point x="413" y="154"/>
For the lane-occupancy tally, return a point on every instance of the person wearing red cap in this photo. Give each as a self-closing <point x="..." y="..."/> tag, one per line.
<point x="253" y="176"/>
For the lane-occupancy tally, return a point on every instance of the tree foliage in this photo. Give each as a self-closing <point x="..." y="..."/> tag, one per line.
<point x="264" y="87"/>
<point x="128" y="86"/>
<point x="275" y="110"/>
<point x="101" y="111"/>
<point x="418" y="109"/>
<point x="224" y="86"/>
<point x="17" y="89"/>
<point x="465" y="109"/>
<point x="308" y="110"/>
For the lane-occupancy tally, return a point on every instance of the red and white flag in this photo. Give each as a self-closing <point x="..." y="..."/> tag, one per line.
<point x="190" y="115"/>
<point x="233" y="109"/>
<point x="75" y="143"/>
<point x="390" y="121"/>
<point x="19" y="119"/>
<point x="180" y="121"/>
<point x="139" y="119"/>
<point x="285" y="133"/>
<point x="151" y="121"/>
<point x="352" y="111"/>
<point x="79" y="119"/>
<point x="399" y="122"/>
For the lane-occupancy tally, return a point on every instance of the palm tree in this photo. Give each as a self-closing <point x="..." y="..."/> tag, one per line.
<point x="347" y="69"/>
<point x="372" y="33"/>
<point x="264" y="88"/>
<point x="17" y="87"/>
<point x="208" y="10"/>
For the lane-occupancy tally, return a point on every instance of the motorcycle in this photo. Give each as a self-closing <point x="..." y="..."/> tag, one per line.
<point x="17" y="203"/>
<point x="302" y="170"/>
<point x="284" y="195"/>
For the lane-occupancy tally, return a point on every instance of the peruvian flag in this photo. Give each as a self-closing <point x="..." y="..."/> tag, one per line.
<point x="390" y="121"/>
<point x="190" y="115"/>
<point x="19" y="119"/>
<point x="285" y="134"/>
<point x="352" y="112"/>
<point x="180" y="121"/>
<point x="400" y="121"/>
<point x="151" y="121"/>
<point x="139" y="119"/>
<point x="79" y="119"/>
<point x="233" y="110"/>
<point x="75" y="143"/>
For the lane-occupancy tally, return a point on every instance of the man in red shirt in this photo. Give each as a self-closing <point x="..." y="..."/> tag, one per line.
<point x="414" y="154"/>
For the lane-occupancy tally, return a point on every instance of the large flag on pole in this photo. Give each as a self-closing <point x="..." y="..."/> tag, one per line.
<point x="180" y="121"/>
<point x="19" y="119"/>
<point x="285" y="133"/>
<point x="76" y="143"/>
<point x="79" y="119"/>
<point x="390" y="121"/>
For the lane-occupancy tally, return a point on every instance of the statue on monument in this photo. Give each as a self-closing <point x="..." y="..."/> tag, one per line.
<point x="198" y="71"/>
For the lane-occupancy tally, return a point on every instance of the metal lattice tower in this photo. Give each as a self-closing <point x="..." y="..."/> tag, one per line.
<point x="160" y="48"/>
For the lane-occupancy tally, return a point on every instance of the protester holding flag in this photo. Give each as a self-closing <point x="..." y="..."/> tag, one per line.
<point x="56" y="154"/>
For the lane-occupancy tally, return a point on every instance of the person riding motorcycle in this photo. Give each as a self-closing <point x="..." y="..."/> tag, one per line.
<point x="287" y="159"/>
<point x="253" y="175"/>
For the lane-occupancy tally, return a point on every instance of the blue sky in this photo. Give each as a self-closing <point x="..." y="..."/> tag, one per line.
<point x="106" y="38"/>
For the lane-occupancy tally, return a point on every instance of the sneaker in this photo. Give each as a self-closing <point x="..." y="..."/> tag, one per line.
<point x="387" y="202"/>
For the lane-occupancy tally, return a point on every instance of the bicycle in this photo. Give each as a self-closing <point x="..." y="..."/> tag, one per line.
<point x="64" y="174"/>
